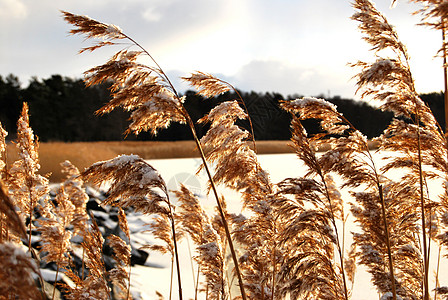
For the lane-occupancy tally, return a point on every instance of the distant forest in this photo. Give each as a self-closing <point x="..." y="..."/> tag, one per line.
<point x="63" y="109"/>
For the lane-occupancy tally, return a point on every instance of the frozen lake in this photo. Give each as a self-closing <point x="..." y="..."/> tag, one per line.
<point x="155" y="276"/>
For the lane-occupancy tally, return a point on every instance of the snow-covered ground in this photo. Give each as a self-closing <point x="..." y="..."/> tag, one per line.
<point x="155" y="275"/>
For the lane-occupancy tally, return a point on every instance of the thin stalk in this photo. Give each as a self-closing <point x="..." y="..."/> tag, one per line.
<point x="1" y="228"/>
<point x="163" y="75"/>
<point x="445" y="75"/>
<point x="421" y="180"/>
<point x="55" y="279"/>
<point x="129" y="281"/>
<point x="196" y="290"/>
<point x="422" y="207"/>
<point x="430" y="232"/>
<point x="33" y="253"/>
<point x="338" y="246"/>
<point x="171" y="277"/>
<point x="192" y="267"/>
<point x="31" y="216"/>
<point x="41" y="279"/>
<point x="383" y="212"/>
<point x="333" y="222"/>
<point x="223" y="290"/>
<point x="83" y="267"/>
<point x="220" y="209"/>
<point x="274" y="262"/>
<point x="437" y="273"/>
<point x="389" y="251"/>
<point x="344" y="221"/>
<point x="262" y="283"/>
<point x="57" y="269"/>
<point x="173" y="229"/>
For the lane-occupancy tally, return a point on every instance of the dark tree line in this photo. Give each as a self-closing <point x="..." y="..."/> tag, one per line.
<point x="62" y="109"/>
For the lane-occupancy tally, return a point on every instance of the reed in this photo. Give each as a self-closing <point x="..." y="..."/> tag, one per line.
<point x="290" y="240"/>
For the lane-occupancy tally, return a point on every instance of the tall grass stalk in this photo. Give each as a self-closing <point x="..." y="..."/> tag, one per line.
<point x="445" y="73"/>
<point x="426" y="290"/>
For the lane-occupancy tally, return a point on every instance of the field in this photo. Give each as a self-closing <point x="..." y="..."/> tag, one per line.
<point x="84" y="154"/>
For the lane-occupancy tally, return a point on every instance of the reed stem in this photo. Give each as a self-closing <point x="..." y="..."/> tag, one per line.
<point x="220" y="208"/>
<point x="388" y="244"/>
<point x="445" y="75"/>
<point x="173" y="229"/>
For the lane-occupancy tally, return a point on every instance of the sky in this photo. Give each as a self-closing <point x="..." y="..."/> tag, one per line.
<point x="300" y="47"/>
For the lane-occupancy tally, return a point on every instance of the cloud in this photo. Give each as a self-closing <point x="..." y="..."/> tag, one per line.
<point x="12" y="9"/>
<point x="297" y="47"/>
<point x="288" y="79"/>
<point x="152" y="14"/>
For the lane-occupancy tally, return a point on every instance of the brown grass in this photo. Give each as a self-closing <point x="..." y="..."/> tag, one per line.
<point x="84" y="154"/>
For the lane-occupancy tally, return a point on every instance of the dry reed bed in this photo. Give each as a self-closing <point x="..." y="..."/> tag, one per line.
<point x="84" y="154"/>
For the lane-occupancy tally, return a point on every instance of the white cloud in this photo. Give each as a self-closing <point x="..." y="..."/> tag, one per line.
<point x="152" y="14"/>
<point x="12" y="9"/>
<point x="288" y="79"/>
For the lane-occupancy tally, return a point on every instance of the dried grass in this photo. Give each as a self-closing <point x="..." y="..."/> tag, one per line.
<point x="290" y="235"/>
<point x="84" y="154"/>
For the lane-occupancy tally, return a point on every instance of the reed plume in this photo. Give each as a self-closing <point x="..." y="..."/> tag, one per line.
<point x="55" y="233"/>
<point x="95" y="285"/>
<point x="134" y="183"/>
<point x="434" y="14"/>
<point x="74" y="187"/>
<point x="121" y="273"/>
<point x="309" y="209"/>
<point x="235" y="163"/>
<point x="7" y="207"/>
<point x="414" y="135"/>
<point x="209" y="86"/>
<point x="16" y="273"/>
<point x="236" y="166"/>
<point x="3" y="158"/>
<point x="28" y="189"/>
<point x="12" y="229"/>
<point x="144" y="90"/>
<point x="54" y="230"/>
<point x="349" y="157"/>
<point x="210" y="245"/>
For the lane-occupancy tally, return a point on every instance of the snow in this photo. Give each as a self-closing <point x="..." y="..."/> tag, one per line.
<point x="302" y="102"/>
<point x="155" y="275"/>
<point x="388" y="296"/>
<point x="50" y="276"/>
<point x="120" y="161"/>
<point x="113" y="31"/>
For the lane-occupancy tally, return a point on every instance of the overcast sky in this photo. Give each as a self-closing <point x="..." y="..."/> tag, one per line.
<point x="287" y="46"/>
